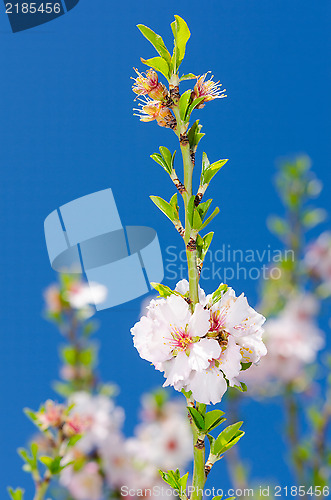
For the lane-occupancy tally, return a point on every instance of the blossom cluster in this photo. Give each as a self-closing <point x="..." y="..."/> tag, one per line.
<point x="202" y="350"/>
<point x="157" y="102"/>
<point x="104" y="459"/>
<point x="57" y="416"/>
<point x="73" y="295"/>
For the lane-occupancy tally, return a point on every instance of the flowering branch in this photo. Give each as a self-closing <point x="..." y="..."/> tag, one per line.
<point x="61" y="429"/>
<point x="200" y="342"/>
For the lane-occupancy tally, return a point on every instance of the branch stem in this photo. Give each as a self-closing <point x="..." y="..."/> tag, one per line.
<point x="199" y="476"/>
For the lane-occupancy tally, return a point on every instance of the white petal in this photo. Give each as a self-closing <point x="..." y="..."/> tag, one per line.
<point x="230" y="361"/>
<point x="183" y="287"/>
<point x="149" y="339"/>
<point x="202" y="352"/>
<point x="253" y="348"/>
<point x="207" y="386"/>
<point x="199" y="322"/>
<point x="177" y="370"/>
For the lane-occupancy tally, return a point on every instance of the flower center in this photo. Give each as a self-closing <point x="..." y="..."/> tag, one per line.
<point x="217" y="321"/>
<point x="180" y="339"/>
<point x="217" y="327"/>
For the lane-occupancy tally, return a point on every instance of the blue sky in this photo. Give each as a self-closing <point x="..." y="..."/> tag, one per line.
<point x="67" y="129"/>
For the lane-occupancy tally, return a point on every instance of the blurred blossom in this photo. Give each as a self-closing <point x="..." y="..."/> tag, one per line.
<point x="52" y="415"/>
<point x="74" y="294"/>
<point x="318" y="259"/>
<point x="166" y="441"/>
<point x="103" y="419"/>
<point x="85" y="484"/>
<point x="53" y="299"/>
<point x="293" y="340"/>
<point x="162" y="440"/>
<point x="81" y="295"/>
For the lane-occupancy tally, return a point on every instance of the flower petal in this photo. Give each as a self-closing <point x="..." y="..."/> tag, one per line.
<point x="199" y="323"/>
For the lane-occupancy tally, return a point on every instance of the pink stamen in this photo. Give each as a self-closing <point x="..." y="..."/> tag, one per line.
<point x="180" y="339"/>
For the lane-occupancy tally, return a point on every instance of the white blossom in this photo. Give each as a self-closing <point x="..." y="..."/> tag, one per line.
<point x="197" y="350"/>
<point x="104" y="419"/>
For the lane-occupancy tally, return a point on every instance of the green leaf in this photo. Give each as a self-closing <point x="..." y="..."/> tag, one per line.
<point x="184" y="103"/>
<point x="156" y="41"/>
<point x="167" y="156"/>
<point x="191" y="209"/>
<point x="201" y="407"/>
<point x="89" y="328"/>
<point x="74" y="440"/>
<point x="183" y="481"/>
<point x="174" y="480"/>
<point x="194" y="135"/>
<point x="174" y="203"/>
<point x="69" y="354"/>
<point x="53" y="464"/>
<point x="158" y="64"/>
<point x="29" y="460"/>
<point x="160" y="160"/>
<point x="313" y="217"/>
<point x="205" y="163"/>
<point x="193" y="105"/>
<point x="17" y="494"/>
<point x="197" y="417"/>
<point x="212" y="170"/>
<point x="31" y="415"/>
<point x="203" y="208"/>
<point x="189" y="76"/>
<point x="278" y="225"/>
<point x="87" y="356"/>
<point x="242" y="387"/>
<point x="213" y="419"/>
<point x="196" y="223"/>
<point x="217" y="295"/>
<point x="46" y="461"/>
<point x="245" y="366"/>
<point x="212" y="441"/>
<point x="181" y="36"/>
<point x="207" y="239"/>
<point x="227" y="438"/>
<point x="164" y="290"/>
<point x="210" y="218"/>
<point x="203" y="244"/>
<point x="165" y="207"/>
<point x="219" y="497"/>
<point x="173" y="158"/>
<point x="62" y="388"/>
